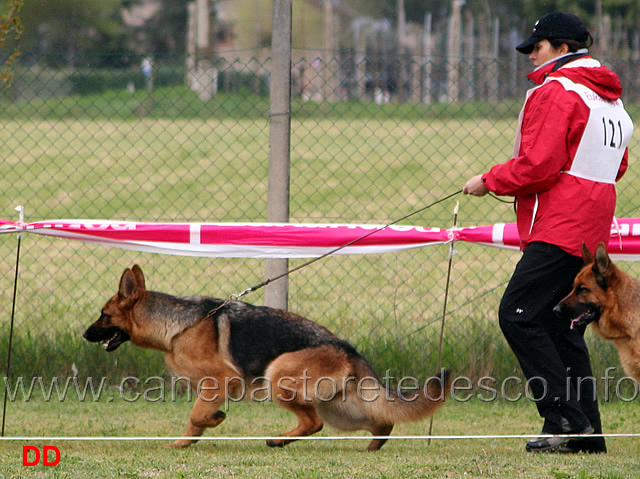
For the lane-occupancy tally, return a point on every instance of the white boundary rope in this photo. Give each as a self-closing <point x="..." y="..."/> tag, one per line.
<point x="305" y="438"/>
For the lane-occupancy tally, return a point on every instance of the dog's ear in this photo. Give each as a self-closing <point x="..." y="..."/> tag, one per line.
<point x="128" y="290"/>
<point x="137" y="273"/>
<point x="587" y="257"/>
<point x="602" y="266"/>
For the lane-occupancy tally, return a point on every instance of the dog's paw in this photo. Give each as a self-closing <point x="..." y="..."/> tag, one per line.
<point x="180" y="444"/>
<point x="276" y="443"/>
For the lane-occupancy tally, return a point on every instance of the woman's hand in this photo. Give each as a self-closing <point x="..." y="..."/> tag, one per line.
<point x="475" y="186"/>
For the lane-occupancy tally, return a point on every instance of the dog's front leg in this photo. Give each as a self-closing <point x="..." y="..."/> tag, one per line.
<point x="205" y="413"/>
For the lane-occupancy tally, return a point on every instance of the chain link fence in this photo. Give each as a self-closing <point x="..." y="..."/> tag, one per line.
<point x="372" y="140"/>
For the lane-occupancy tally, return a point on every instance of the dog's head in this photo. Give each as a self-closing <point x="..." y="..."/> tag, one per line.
<point x="587" y="300"/>
<point x="114" y="326"/>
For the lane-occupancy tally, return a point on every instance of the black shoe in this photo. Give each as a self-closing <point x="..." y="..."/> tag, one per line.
<point x="546" y="444"/>
<point x="595" y="445"/>
<point x="553" y="443"/>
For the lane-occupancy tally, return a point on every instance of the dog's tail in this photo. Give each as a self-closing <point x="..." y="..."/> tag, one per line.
<point x="367" y="403"/>
<point x="411" y="406"/>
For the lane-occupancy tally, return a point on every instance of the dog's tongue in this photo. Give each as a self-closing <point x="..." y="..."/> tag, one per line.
<point x="576" y="321"/>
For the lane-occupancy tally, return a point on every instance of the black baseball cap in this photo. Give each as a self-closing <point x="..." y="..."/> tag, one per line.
<point x="555" y="25"/>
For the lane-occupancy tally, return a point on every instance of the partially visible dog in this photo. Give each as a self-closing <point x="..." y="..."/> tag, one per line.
<point x="609" y="299"/>
<point x="229" y="347"/>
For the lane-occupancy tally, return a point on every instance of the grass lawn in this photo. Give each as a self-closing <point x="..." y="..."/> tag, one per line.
<point x="400" y="458"/>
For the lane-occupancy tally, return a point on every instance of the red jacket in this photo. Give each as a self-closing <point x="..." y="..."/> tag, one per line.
<point x="565" y="192"/>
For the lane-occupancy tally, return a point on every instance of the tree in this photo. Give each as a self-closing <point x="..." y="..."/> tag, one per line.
<point x="65" y="29"/>
<point x="524" y="12"/>
<point x="165" y="32"/>
<point x="10" y="32"/>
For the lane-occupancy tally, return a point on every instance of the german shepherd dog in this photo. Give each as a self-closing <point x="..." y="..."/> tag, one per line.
<point x="609" y="299"/>
<point x="221" y="345"/>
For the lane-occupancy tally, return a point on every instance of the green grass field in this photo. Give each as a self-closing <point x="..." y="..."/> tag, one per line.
<point x="399" y="458"/>
<point x="100" y="157"/>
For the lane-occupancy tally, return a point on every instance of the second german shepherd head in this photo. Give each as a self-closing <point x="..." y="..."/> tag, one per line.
<point x="608" y="298"/>
<point x="588" y="298"/>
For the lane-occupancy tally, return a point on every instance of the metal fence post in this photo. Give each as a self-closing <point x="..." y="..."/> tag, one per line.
<point x="276" y="294"/>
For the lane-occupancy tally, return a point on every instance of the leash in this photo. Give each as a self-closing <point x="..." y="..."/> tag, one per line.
<point x="329" y="253"/>
<point x="495" y="197"/>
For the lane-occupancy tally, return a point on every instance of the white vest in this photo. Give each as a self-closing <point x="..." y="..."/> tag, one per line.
<point x="605" y="137"/>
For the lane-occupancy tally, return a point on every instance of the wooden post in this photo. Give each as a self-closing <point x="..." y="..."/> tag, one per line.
<point x="427" y="47"/>
<point x="494" y="94"/>
<point x="599" y="44"/>
<point x="360" y="41"/>
<point x="400" y="66"/>
<point x="276" y="294"/>
<point x="401" y="27"/>
<point x="453" y="64"/>
<point x="330" y="62"/>
<point x="469" y="53"/>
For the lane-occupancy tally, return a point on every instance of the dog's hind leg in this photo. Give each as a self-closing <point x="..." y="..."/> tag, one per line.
<point x="308" y="423"/>
<point x="290" y="390"/>
<point x="383" y="430"/>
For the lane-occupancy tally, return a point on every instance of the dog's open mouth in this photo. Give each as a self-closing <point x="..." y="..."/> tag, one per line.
<point x="119" y="337"/>
<point x="110" y="338"/>
<point x="584" y="318"/>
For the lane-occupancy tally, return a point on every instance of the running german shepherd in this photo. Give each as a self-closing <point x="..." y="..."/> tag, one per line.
<point x="609" y="299"/>
<point x="229" y="347"/>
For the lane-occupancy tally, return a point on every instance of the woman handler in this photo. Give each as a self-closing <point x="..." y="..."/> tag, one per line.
<point x="570" y="149"/>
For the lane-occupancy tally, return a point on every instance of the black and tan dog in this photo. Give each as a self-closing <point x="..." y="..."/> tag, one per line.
<point x="609" y="299"/>
<point x="230" y="347"/>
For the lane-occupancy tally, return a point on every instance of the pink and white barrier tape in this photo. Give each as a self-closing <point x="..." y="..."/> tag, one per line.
<point x="290" y="240"/>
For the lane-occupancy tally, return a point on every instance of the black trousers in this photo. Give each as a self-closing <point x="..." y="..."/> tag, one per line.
<point x="547" y="349"/>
